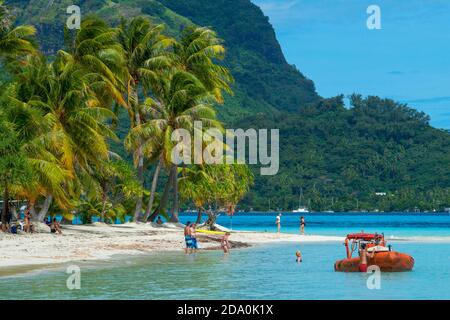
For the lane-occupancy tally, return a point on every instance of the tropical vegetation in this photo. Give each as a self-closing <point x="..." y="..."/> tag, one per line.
<point x="339" y="156"/>
<point x="59" y="114"/>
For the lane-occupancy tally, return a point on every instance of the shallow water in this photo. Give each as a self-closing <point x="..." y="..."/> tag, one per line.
<point x="261" y="272"/>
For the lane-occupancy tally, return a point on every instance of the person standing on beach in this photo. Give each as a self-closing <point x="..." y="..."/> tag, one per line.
<point x="302" y="225"/>
<point x="28" y="227"/>
<point x="187" y="237"/>
<point x="278" y="222"/>
<point x="194" y="238"/>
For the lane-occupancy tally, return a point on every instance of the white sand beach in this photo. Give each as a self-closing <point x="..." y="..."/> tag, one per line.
<point x="100" y="242"/>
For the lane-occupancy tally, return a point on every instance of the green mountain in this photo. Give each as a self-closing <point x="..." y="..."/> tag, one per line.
<point x="265" y="82"/>
<point x="340" y="157"/>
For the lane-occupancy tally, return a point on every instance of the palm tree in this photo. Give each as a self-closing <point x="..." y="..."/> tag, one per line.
<point x="14" y="41"/>
<point x="183" y="99"/>
<point x="95" y="49"/>
<point x="77" y="132"/>
<point x="194" y="186"/>
<point x="145" y="51"/>
<point x="215" y="186"/>
<point x="31" y="127"/>
<point x="13" y="164"/>
<point x="197" y="52"/>
<point x="116" y="183"/>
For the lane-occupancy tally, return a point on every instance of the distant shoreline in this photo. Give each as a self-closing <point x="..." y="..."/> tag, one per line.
<point x="243" y="213"/>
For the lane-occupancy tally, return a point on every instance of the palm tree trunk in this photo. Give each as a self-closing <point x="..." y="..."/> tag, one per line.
<point x="165" y="197"/>
<point x="176" y="203"/>
<point x="45" y="207"/>
<point x="32" y="209"/>
<point x="199" y="216"/>
<point x="140" y="176"/>
<point x="139" y="155"/>
<point x="211" y="221"/>
<point x="5" y="210"/>
<point x="153" y="191"/>
<point x="104" y="198"/>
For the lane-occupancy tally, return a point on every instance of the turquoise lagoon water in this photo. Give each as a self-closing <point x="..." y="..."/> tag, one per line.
<point x="265" y="271"/>
<point x="433" y="226"/>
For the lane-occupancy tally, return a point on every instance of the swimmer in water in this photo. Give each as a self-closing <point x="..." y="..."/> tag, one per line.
<point x="363" y="258"/>
<point x="298" y="254"/>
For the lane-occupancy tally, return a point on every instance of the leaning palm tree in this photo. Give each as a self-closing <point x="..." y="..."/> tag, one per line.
<point x="183" y="99"/>
<point x="31" y="127"/>
<point x="76" y="132"/>
<point x="197" y="52"/>
<point x="145" y="52"/>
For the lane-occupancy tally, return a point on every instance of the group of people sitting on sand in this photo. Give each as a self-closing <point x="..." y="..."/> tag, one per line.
<point x="15" y="227"/>
<point x="55" y="226"/>
<point x="26" y="225"/>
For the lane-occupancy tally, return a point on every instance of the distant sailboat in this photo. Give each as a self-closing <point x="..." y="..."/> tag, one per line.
<point x="301" y="209"/>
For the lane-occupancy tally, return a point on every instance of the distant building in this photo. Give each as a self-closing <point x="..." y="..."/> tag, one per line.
<point x="382" y="194"/>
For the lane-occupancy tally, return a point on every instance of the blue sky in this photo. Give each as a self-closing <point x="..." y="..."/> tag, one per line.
<point x="407" y="60"/>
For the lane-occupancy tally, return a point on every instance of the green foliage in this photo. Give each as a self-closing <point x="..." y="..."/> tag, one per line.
<point x="342" y="156"/>
<point x="91" y="208"/>
<point x="215" y="185"/>
<point x="212" y="188"/>
<point x="63" y="108"/>
<point x="339" y="156"/>
<point x="14" y="168"/>
<point x="264" y="81"/>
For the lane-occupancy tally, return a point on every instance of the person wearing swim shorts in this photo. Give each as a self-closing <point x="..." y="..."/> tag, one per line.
<point x="194" y="237"/>
<point x="187" y="237"/>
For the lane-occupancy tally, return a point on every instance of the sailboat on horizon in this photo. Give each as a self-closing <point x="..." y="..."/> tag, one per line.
<point x="301" y="209"/>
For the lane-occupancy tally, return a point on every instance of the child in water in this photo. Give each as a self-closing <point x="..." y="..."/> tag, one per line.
<point x="298" y="254"/>
<point x="225" y="243"/>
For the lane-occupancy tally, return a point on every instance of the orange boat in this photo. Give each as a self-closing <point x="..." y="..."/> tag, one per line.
<point x="386" y="259"/>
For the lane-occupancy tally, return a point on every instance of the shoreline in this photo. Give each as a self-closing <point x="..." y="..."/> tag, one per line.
<point x="101" y="242"/>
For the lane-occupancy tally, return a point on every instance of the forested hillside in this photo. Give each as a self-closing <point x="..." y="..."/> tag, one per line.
<point x="342" y="157"/>
<point x="265" y="82"/>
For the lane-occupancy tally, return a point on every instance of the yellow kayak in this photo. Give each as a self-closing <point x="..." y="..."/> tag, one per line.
<point x="210" y="232"/>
